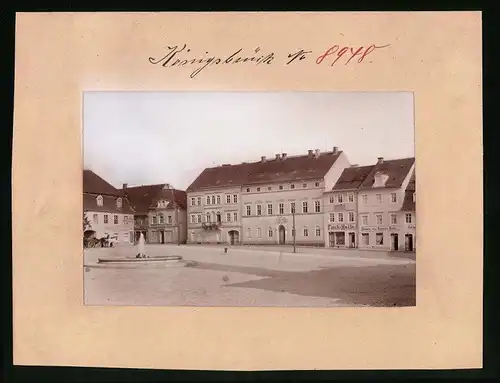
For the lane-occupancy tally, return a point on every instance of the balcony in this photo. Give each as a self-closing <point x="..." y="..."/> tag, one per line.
<point x="211" y="226"/>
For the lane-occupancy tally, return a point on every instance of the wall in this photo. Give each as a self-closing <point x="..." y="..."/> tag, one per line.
<point x="343" y="207"/>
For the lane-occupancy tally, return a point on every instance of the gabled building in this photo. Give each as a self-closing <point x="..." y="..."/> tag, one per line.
<point x="107" y="210"/>
<point x="257" y="202"/>
<point x="380" y="199"/>
<point x="160" y="212"/>
<point x="408" y="216"/>
<point x="341" y="208"/>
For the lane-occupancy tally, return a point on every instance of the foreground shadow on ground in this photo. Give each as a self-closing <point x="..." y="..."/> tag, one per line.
<point x="381" y="285"/>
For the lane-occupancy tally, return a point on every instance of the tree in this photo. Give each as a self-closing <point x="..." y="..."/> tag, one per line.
<point x="86" y="223"/>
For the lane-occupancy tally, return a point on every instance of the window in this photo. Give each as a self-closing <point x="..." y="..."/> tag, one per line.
<point x="228" y="217"/>
<point x="258" y="189"/>
<point x="365" y="199"/>
<point x="379" y="198"/>
<point x="281" y="187"/>
<point x="379" y="239"/>
<point x="306" y="232"/>
<point x="199" y="201"/>
<point x="218" y="200"/>
<point x="270" y="232"/>
<point x="393" y="197"/>
<point x="248" y="190"/>
<point x="249" y="233"/>
<point x="365" y="238"/>
<point x="340" y="198"/>
<point x="259" y="232"/>
<point x="269" y="208"/>
<point x="414" y="197"/>
<point x="208" y="200"/>
<point x="365" y="219"/>
<point x="292" y="186"/>
<point x="332" y="217"/>
<point x="316" y="184"/>
<point x="318" y="232"/>
<point x="207" y="218"/>
<point x="317" y="206"/>
<point x="259" y="209"/>
<point x="115" y="219"/>
<point x="119" y="203"/>
<point x="351" y="216"/>
<point x="193" y="201"/>
<point x="193" y="218"/>
<point x="331" y="198"/>
<point x="99" y="200"/>
<point x="219" y="219"/>
<point x="350" y="197"/>
<point x="95" y="218"/>
<point x="249" y="210"/>
<point x="235" y="217"/>
<point x="281" y="208"/>
<point x="213" y="200"/>
<point x="304" y="185"/>
<point x="269" y="188"/>
<point x="154" y="220"/>
<point x="304" y="207"/>
<point x="161" y="218"/>
<point x="394" y="219"/>
<point x="228" y="198"/>
<point x="379" y="219"/>
<point x="169" y="219"/>
<point x="292" y="207"/>
<point x="341" y="217"/>
<point x="408" y="217"/>
<point x="199" y="218"/>
<point x="235" y="198"/>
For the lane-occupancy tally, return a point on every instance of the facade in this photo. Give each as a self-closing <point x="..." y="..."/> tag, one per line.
<point x="341" y="208"/>
<point x="380" y="200"/>
<point x="408" y="216"/>
<point x="160" y="213"/>
<point x="257" y="203"/>
<point x="107" y="210"/>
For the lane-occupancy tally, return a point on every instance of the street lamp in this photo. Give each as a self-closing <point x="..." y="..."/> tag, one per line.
<point x="293" y="228"/>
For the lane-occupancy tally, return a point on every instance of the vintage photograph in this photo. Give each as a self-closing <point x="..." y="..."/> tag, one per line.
<point x="249" y="199"/>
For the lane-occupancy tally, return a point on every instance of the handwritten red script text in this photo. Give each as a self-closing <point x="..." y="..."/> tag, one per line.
<point x="346" y="54"/>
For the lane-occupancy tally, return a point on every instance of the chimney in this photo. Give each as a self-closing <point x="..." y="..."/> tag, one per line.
<point x="380" y="160"/>
<point x="335" y="150"/>
<point x="310" y="153"/>
<point x="283" y="156"/>
<point x="263" y="159"/>
<point x="317" y="153"/>
<point x="124" y="186"/>
<point x="277" y="156"/>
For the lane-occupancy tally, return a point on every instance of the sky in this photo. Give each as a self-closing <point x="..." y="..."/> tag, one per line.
<point x="142" y="138"/>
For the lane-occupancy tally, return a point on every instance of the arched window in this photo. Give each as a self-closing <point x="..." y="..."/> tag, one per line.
<point x="213" y="200"/>
<point x="318" y="231"/>
<point x="218" y="216"/>
<point x="208" y="217"/>
<point x="99" y="200"/>
<point x="119" y="203"/>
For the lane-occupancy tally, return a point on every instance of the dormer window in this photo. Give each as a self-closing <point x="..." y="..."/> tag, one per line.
<point x="119" y="203"/>
<point x="380" y="180"/>
<point x="99" y="200"/>
<point x="414" y="197"/>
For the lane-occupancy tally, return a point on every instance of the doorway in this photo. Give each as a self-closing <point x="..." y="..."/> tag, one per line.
<point x="281" y="232"/>
<point x="409" y="242"/>
<point x="394" y="242"/>
<point x="352" y="240"/>
<point x="331" y="240"/>
<point x="234" y="237"/>
<point x="162" y="236"/>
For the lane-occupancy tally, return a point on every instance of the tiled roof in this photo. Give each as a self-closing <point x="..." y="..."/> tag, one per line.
<point x="94" y="184"/>
<point x="144" y="197"/>
<point x="408" y="202"/>
<point x="293" y="168"/>
<point x="351" y="178"/>
<point x="397" y="170"/>
<point x="108" y="204"/>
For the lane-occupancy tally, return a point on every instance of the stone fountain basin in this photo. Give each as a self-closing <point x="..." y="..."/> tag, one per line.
<point x="140" y="260"/>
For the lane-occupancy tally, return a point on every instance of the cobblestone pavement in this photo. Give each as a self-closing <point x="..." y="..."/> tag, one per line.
<point x="252" y="277"/>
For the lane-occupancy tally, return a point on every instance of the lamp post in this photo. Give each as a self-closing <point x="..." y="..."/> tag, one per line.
<point x="293" y="228"/>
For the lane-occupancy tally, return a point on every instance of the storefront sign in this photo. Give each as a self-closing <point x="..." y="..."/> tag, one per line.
<point x="377" y="228"/>
<point x="342" y="226"/>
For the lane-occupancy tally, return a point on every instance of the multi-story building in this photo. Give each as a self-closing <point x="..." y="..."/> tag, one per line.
<point x="341" y="208"/>
<point x="380" y="199"/>
<point x="160" y="212"/>
<point x="106" y="209"/>
<point x="408" y="216"/>
<point x="258" y="202"/>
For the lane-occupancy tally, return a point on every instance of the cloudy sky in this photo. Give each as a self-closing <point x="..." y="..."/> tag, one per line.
<point x="144" y="138"/>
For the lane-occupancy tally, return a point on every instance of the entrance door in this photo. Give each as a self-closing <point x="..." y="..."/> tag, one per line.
<point x="281" y="231"/>
<point x="331" y="240"/>
<point x="395" y="242"/>
<point x="409" y="242"/>
<point x="234" y="237"/>
<point x="339" y="238"/>
<point x="162" y="236"/>
<point x="352" y="240"/>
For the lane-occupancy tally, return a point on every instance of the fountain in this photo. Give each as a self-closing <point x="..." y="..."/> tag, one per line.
<point x="140" y="247"/>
